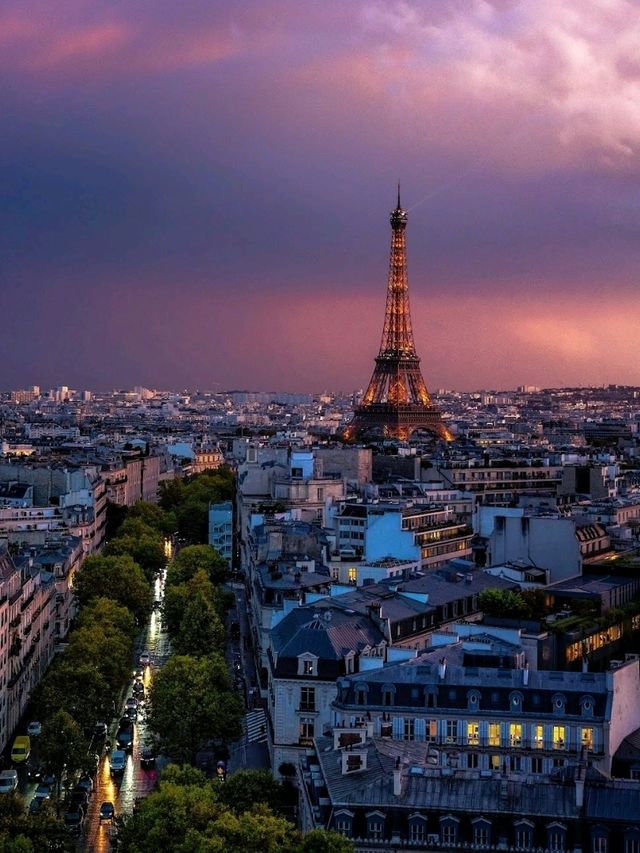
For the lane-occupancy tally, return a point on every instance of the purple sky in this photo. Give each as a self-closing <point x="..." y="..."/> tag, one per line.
<point x="196" y="193"/>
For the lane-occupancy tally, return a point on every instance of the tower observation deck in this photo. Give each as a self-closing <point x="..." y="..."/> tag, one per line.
<point x="396" y="402"/>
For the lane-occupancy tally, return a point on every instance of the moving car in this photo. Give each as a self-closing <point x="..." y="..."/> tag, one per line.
<point x="117" y="761"/>
<point x="124" y="738"/>
<point x="131" y="702"/>
<point x="138" y="689"/>
<point x="107" y="811"/>
<point x="8" y="781"/>
<point x="21" y="749"/>
<point x="100" y="730"/>
<point x="147" y="758"/>
<point x="34" y="729"/>
<point x="145" y="658"/>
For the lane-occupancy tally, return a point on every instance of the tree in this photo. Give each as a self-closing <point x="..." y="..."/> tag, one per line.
<point x="115" y="577"/>
<point x="147" y="550"/>
<point x="154" y="517"/>
<point x="326" y="841"/>
<point x="116" y="514"/>
<point x="246" y="787"/>
<point x="192" y="703"/>
<point x="201" y="631"/>
<point x="62" y="745"/>
<point x="195" y="558"/>
<point x="178" y="598"/>
<point x="502" y="603"/>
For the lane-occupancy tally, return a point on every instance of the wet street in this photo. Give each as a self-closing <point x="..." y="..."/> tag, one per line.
<point x="135" y="783"/>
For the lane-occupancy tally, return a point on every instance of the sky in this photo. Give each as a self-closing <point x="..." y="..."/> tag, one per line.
<point x="196" y="193"/>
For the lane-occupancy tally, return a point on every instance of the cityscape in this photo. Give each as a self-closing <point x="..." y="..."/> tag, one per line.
<point x="330" y="543"/>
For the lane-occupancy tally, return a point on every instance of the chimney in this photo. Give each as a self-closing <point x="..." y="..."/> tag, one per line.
<point x="585" y="663"/>
<point x="525" y="675"/>
<point x="397" y="779"/>
<point x="442" y="669"/>
<point x="582" y="771"/>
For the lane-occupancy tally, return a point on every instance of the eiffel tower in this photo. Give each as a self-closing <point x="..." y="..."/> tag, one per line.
<point x="396" y="402"/>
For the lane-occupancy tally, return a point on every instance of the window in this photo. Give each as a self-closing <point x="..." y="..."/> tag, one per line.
<point x="361" y="695"/>
<point x="449" y="833"/>
<point x="376" y="828"/>
<point x="307" y="728"/>
<point x="409" y="728"/>
<point x="387" y="696"/>
<point x="451" y="731"/>
<point x="494" y="734"/>
<point x="586" y="738"/>
<point x="416" y="830"/>
<point x="494" y="762"/>
<point x="481" y="834"/>
<point x="343" y="825"/>
<point x="472" y="761"/>
<point x="352" y="574"/>
<point x="555" y="839"/>
<point x="523" y="836"/>
<point x="559" y="735"/>
<point x="538" y="737"/>
<point x="431" y="730"/>
<point x="558" y="763"/>
<point x="473" y="733"/>
<point x="307" y="698"/>
<point x="600" y="844"/>
<point x="631" y="844"/>
<point x="515" y="734"/>
<point x="536" y="765"/>
<point x="516" y="763"/>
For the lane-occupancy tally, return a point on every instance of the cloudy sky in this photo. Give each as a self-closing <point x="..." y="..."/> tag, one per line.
<point x="196" y="192"/>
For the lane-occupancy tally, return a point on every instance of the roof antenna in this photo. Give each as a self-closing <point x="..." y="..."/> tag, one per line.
<point x="399" y="206"/>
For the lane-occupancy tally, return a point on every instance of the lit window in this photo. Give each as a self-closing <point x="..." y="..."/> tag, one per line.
<point x="538" y="737"/>
<point x="559" y="735"/>
<point x="494" y="762"/>
<point x="473" y="733"/>
<point x="515" y="734"/>
<point x="494" y="734"/>
<point x="587" y="738"/>
<point x="353" y="574"/>
<point x="307" y="728"/>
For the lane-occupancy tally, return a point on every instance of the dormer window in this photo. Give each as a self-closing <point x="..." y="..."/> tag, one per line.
<point x="558" y="702"/>
<point x="308" y="665"/>
<point x="586" y="706"/>
<point x="473" y="700"/>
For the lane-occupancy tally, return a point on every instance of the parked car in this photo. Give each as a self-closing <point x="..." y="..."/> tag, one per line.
<point x="43" y="792"/>
<point x="73" y="819"/>
<point x="85" y="783"/>
<point x="132" y="715"/>
<point x="107" y="811"/>
<point x="49" y="779"/>
<point x="79" y="797"/>
<point x="117" y="761"/>
<point x="100" y="730"/>
<point x="34" y="729"/>
<point x="8" y="781"/>
<point x="138" y="689"/>
<point x="145" y="658"/>
<point x="21" y="749"/>
<point x="147" y="758"/>
<point x="131" y="702"/>
<point x="36" y="805"/>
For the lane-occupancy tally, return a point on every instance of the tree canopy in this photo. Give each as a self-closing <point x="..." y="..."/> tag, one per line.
<point x="119" y="578"/>
<point x="192" y="703"/>
<point x="195" y="558"/>
<point x="189" y="499"/>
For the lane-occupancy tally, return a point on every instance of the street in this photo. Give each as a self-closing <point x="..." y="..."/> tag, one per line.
<point x="135" y="783"/>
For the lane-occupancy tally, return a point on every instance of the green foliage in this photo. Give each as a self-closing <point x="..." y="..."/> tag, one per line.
<point x="503" y="604"/>
<point x="154" y="516"/>
<point x="536" y="603"/>
<point x="195" y="558"/>
<point x="94" y="666"/>
<point x="143" y="545"/>
<point x="62" y="744"/>
<point x="117" y="577"/>
<point x="190" y="500"/>
<point x="185" y="774"/>
<point x="201" y="630"/>
<point x="192" y="703"/>
<point x="326" y="841"/>
<point x="247" y="787"/>
<point x="116" y="514"/>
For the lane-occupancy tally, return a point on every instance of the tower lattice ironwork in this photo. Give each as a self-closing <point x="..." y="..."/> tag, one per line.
<point x="396" y="402"/>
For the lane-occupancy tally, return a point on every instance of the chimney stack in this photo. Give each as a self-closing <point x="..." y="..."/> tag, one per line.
<point x="442" y="669"/>
<point x="525" y="674"/>
<point x="397" y="779"/>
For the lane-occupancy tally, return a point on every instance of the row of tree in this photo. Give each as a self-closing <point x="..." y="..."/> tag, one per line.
<point x="190" y="814"/>
<point x="188" y="499"/>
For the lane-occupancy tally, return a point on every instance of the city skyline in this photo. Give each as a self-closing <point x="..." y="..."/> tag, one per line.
<point x="187" y="193"/>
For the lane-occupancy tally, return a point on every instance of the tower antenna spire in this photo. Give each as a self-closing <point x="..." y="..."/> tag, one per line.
<point x="399" y="205"/>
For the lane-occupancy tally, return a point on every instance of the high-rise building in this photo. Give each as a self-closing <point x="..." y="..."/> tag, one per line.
<point x="396" y="402"/>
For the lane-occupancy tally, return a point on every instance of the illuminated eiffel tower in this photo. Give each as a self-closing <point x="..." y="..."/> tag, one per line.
<point x="397" y="402"/>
